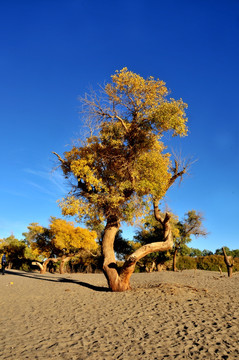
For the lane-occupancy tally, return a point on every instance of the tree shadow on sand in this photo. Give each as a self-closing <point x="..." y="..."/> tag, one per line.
<point x="46" y="277"/>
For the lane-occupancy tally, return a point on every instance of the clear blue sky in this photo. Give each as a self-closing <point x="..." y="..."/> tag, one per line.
<point x="52" y="51"/>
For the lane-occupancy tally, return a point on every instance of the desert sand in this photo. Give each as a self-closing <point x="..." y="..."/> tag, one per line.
<point x="166" y="315"/>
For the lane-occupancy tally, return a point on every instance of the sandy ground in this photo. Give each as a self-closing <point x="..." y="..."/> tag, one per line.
<point x="184" y="315"/>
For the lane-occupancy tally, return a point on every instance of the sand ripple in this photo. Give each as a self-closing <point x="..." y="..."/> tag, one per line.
<point x="184" y="315"/>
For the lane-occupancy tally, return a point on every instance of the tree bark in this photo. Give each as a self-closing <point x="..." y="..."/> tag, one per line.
<point x="44" y="265"/>
<point x="166" y="244"/>
<point x="119" y="280"/>
<point x="109" y="265"/>
<point x="228" y="263"/>
<point x="175" y="259"/>
<point x="37" y="263"/>
<point x="64" y="259"/>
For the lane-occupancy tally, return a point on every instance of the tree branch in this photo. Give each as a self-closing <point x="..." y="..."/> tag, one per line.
<point x="157" y="214"/>
<point x="226" y="258"/>
<point x="59" y="157"/>
<point x="180" y="168"/>
<point x="153" y="247"/>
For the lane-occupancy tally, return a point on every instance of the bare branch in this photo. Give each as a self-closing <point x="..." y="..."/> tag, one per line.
<point x="88" y="251"/>
<point x="99" y="112"/>
<point x="157" y="214"/>
<point x="59" y="157"/>
<point x="180" y="168"/>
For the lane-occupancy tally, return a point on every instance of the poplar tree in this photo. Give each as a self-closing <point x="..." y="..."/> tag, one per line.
<point x="123" y="168"/>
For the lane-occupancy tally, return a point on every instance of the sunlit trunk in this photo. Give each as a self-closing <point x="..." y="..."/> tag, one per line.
<point x="120" y="280"/>
<point x="109" y="265"/>
<point x="64" y="259"/>
<point x="229" y="262"/>
<point x="43" y="266"/>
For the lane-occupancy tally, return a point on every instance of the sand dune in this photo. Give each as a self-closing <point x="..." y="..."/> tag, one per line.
<point x="184" y="315"/>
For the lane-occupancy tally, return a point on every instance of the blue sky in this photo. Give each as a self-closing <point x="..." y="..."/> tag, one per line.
<point x="53" y="51"/>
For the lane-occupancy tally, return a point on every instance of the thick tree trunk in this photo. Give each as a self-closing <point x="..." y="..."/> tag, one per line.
<point x="229" y="262"/>
<point x="109" y="264"/>
<point x="67" y="257"/>
<point x="175" y="259"/>
<point x="120" y="280"/>
<point x="64" y="259"/>
<point x="43" y="266"/>
<point x="62" y="265"/>
<point x="129" y="265"/>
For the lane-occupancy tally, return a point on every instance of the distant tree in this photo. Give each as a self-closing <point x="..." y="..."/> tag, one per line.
<point x="38" y="238"/>
<point x="228" y="261"/>
<point x="151" y="231"/>
<point x="12" y="246"/>
<point x="207" y="252"/>
<point x="70" y="239"/>
<point x="184" y="250"/>
<point x="195" y="252"/>
<point x="235" y="253"/>
<point x="61" y="241"/>
<point x="191" y="225"/>
<point x="17" y="251"/>
<point x="220" y="251"/>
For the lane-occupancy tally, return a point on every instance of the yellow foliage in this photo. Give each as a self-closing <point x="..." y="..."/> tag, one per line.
<point x="145" y="93"/>
<point x="134" y="245"/>
<point x="73" y="206"/>
<point x="155" y="179"/>
<point x="145" y="98"/>
<point x="120" y="169"/>
<point x="33" y="229"/>
<point x="66" y="236"/>
<point x="36" y="240"/>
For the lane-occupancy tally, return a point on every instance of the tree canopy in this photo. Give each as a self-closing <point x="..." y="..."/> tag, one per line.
<point x="124" y="163"/>
<point x="190" y="225"/>
<point x="62" y="236"/>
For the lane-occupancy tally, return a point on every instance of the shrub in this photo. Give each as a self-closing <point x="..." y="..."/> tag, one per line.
<point x="236" y="264"/>
<point x="25" y="267"/>
<point x="211" y="262"/>
<point x="186" y="262"/>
